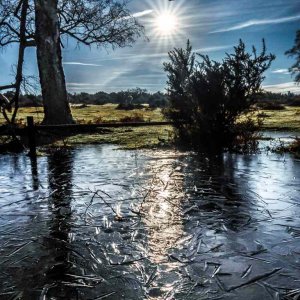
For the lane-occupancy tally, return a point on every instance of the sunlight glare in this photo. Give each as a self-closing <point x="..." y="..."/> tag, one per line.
<point x="166" y="23"/>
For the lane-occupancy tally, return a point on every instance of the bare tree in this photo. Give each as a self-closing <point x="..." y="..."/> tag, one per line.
<point x="49" y="23"/>
<point x="295" y="51"/>
<point x="6" y="38"/>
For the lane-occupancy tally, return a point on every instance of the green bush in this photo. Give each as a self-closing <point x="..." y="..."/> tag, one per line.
<point x="207" y="98"/>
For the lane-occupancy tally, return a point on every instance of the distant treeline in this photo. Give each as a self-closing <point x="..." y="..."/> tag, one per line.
<point x="139" y="96"/>
<point x="130" y="97"/>
<point x="269" y="99"/>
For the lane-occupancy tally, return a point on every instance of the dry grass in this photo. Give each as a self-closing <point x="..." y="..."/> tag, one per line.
<point x="287" y="119"/>
<point x="93" y="114"/>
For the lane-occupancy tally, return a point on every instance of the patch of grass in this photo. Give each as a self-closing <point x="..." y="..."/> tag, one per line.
<point x="141" y="137"/>
<point x="287" y="119"/>
<point x="271" y="106"/>
<point x="136" y="117"/>
<point x="127" y="138"/>
<point x="93" y="114"/>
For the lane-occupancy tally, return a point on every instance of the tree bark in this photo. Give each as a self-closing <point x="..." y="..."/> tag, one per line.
<point x="52" y="78"/>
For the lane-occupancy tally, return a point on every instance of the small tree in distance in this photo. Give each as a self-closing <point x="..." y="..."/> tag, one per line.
<point x="207" y="98"/>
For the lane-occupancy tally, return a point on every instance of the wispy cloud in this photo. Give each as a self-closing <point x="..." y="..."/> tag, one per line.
<point x="281" y="71"/>
<point x="160" y="75"/>
<point x="142" y="13"/>
<point x="254" y="22"/>
<point x="132" y="57"/>
<point x="213" y="49"/>
<point x="76" y="63"/>
<point x="94" y="87"/>
<point x="137" y="57"/>
<point x="81" y="84"/>
<point x="283" y="87"/>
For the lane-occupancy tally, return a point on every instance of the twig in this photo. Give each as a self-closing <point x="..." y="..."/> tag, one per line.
<point x="254" y="279"/>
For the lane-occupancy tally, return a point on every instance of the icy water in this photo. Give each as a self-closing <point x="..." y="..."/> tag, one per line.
<point x="99" y="223"/>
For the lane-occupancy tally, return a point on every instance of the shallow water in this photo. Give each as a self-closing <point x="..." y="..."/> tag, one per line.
<point x="99" y="223"/>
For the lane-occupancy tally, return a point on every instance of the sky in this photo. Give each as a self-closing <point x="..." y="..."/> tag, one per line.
<point x="213" y="27"/>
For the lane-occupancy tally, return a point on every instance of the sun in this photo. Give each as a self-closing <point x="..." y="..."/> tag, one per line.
<point x="166" y="23"/>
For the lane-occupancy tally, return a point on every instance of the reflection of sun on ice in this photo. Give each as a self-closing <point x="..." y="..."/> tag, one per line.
<point x="166" y="23"/>
<point x="163" y="211"/>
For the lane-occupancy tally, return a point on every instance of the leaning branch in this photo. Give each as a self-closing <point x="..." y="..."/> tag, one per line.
<point x="7" y="87"/>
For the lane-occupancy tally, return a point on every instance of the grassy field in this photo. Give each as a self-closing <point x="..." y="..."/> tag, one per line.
<point x="287" y="120"/>
<point x="129" y="138"/>
<point x="93" y="114"/>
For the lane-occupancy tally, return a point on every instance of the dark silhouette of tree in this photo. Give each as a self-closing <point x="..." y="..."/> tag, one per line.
<point x="21" y="11"/>
<point x="49" y="23"/>
<point x="295" y="51"/>
<point x="207" y="97"/>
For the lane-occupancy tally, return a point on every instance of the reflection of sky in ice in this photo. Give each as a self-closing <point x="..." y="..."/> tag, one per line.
<point x="273" y="181"/>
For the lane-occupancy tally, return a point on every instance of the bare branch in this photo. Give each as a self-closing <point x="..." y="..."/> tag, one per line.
<point x="7" y="87"/>
<point x="10" y="19"/>
<point x="99" y="23"/>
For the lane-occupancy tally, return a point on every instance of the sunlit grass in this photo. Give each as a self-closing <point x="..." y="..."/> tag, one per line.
<point x="127" y="138"/>
<point x="149" y="137"/>
<point x="286" y="119"/>
<point x="92" y="114"/>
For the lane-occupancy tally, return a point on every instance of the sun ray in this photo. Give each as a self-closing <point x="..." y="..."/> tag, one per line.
<point x="166" y="23"/>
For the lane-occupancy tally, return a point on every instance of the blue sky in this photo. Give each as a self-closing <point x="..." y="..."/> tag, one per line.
<point x="213" y="26"/>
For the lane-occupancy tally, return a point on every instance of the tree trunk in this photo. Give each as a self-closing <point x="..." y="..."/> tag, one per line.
<point x="55" y="97"/>
<point x="22" y="46"/>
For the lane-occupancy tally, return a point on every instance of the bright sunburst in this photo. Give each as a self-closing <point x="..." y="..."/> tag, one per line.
<point x="166" y="23"/>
